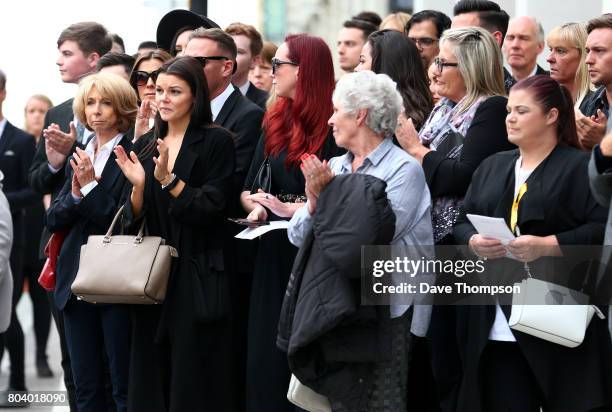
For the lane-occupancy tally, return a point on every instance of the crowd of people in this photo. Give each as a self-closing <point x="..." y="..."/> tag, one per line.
<point x="425" y="126"/>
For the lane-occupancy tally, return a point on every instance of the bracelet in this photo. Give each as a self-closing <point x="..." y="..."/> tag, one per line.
<point x="474" y="250"/>
<point x="166" y="180"/>
<point x="172" y="184"/>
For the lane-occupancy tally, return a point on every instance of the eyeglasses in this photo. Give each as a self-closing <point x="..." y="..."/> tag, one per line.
<point x="277" y="62"/>
<point x="423" y="42"/>
<point x="141" y="78"/>
<point x="440" y="65"/>
<point x="204" y="59"/>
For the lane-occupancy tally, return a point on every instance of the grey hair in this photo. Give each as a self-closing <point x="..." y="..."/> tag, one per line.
<point x="376" y="93"/>
<point x="540" y="31"/>
<point x="2" y="81"/>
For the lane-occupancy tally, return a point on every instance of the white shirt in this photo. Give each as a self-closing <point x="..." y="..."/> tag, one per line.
<point x="2" y="126"/>
<point x="501" y="330"/>
<point x="99" y="162"/>
<point x="245" y="88"/>
<point x="217" y="103"/>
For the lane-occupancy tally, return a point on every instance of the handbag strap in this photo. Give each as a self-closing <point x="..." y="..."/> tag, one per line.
<point x="108" y="236"/>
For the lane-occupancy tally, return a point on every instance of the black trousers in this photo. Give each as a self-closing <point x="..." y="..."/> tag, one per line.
<point x="12" y="338"/>
<point x="508" y="385"/>
<point x="58" y="317"/>
<point x="41" y="308"/>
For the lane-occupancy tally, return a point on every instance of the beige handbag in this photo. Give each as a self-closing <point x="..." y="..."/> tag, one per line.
<point x="307" y="399"/>
<point x="123" y="269"/>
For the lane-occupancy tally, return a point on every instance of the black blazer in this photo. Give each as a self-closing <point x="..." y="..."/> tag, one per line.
<point x="558" y="201"/>
<point x="16" y="153"/>
<point x="40" y="177"/>
<point x="243" y="118"/>
<point x="257" y="96"/>
<point x="91" y="216"/>
<point x="540" y="70"/>
<point x="194" y="221"/>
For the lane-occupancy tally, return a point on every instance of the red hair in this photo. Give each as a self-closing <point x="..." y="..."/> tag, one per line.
<point x="299" y="125"/>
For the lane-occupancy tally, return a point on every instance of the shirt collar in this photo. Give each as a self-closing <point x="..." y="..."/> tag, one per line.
<point x="600" y="94"/>
<point x="534" y="71"/>
<point x="217" y="103"/>
<point x="375" y="156"/>
<point x="2" y="126"/>
<point x="244" y="88"/>
<point x="108" y="146"/>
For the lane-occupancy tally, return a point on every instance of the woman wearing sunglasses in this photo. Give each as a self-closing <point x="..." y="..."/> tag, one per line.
<point x="295" y="125"/>
<point x="142" y="80"/>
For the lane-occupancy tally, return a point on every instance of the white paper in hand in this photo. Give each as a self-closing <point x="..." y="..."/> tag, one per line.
<point x="251" y="233"/>
<point x="492" y="227"/>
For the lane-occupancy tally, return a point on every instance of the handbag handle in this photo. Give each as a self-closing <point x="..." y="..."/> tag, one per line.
<point x="108" y="236"/>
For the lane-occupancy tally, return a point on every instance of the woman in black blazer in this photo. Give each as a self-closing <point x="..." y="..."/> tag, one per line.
<point x="504" y="369"/>
<point x="86" y="205"/>
<point x="181" y="185"/>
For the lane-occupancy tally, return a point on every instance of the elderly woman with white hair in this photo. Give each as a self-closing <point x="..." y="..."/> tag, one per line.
<point x="366" y="108"/>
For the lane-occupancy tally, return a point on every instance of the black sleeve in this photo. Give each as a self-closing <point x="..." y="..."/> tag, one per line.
<point x="603" y="163"/>
<point x="258" y="158"/>
<point x="485" y="136"/>
<point x="24" y="196"/>
<point x="247" y="132"/>
<point x="463" y="229"/>
<point x="208" y="202"/>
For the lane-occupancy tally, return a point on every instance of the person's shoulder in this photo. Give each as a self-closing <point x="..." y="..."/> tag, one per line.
<point x="500" y="159"/>
<point x="20" y="135"/>
<point x="62" y="107"/>
<point x="495" y="102"/>
<point x="246" y="106"/>
<point x="215" y="133"/>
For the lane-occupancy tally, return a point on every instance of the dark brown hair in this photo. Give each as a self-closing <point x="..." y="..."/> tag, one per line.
<point x="91" y="37"/>
<point x="241" y="29"/>
<point x="602" y="22"/>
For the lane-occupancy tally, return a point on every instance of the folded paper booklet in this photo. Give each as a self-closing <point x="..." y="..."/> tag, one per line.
<point x="253" y="232"/>
<point x="493" y="228"/>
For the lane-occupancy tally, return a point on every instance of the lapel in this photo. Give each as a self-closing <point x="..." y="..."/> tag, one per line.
<point x="111" y="170"/>
<point x="6" y="138"/>
<point x="186" y="157"/>
<point x="228" y="107"/>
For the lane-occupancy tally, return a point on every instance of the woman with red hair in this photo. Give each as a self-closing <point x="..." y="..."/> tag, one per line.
<point x="294" y="126"/>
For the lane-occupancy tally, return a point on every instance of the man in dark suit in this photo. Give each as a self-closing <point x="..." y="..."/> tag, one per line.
<point x="236" y="113"/>
<point x="523" y="43"/>
<point x="80" y="46"/>
<point x="16" y="153"/>
<point x="248" y="45"/>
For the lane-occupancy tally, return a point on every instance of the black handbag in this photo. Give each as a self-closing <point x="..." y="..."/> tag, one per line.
<point x="263" y="179"/>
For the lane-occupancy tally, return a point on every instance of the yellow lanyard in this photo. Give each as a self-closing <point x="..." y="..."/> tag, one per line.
<point x="515" y="206"/>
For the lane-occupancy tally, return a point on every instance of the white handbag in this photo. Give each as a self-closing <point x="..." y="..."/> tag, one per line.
<point x="562" y="320"/>
<point x="306" y="398"/>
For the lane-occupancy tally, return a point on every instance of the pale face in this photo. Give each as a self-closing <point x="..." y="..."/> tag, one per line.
<point x="564" y="60"/>
<point x="599" y="56"/>
<point x="521" y="45"/>
<point x="432" y="75"/>
<point x="525" y="121"/>
<point x="244" y="58"/>
<point x="365" y="59"/>
<point x="72" y="63"/>
<point x="117" y="69"/>
<point x="181" y="42"/>
<point x="425" y="35"/>
<point x="35" y="112"/>
<point x="146" y="91"/>
<point x="285" y="78"/>
<point x="174" y="98"/>
<point x="261" y="75"/>
<point x="344" y="126"/>
<point x="449" y="82"/>
<point x="100" y="113"/>
<point x="217" y="72"/>
<point x="350" y="42"/>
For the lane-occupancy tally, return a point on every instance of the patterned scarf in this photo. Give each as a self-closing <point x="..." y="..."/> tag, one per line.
<point x="444" y="121"/>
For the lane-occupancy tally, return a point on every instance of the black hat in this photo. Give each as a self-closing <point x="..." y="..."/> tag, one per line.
<point x="177" y="19"/>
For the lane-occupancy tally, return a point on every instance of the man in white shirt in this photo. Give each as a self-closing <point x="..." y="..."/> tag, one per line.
<point x="248" y="45"/>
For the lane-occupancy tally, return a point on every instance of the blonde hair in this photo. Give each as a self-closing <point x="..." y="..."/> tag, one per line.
<point x="122" y="96"/>
<point x="576" y="35"/>
<point x="480" y="63"/>
<point x="400" y="18"/>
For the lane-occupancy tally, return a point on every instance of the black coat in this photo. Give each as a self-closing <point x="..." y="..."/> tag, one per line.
<point x="40" y="177"/>
<point x="257" y="96"/>
<point x="91" y="216"/>
<point x="558" y="201"/>
<point x="16" y="153"/>
<point x="331" y="340"/>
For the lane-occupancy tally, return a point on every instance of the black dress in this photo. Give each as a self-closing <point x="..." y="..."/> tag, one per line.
<point x="181" y="350"/>
<point x="267" y="367"/>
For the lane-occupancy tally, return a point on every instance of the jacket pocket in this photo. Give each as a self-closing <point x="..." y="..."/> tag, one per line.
<point x="211" y="287"/>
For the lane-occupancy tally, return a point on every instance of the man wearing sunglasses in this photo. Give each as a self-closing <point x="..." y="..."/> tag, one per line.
<point x="217" y="52"/>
